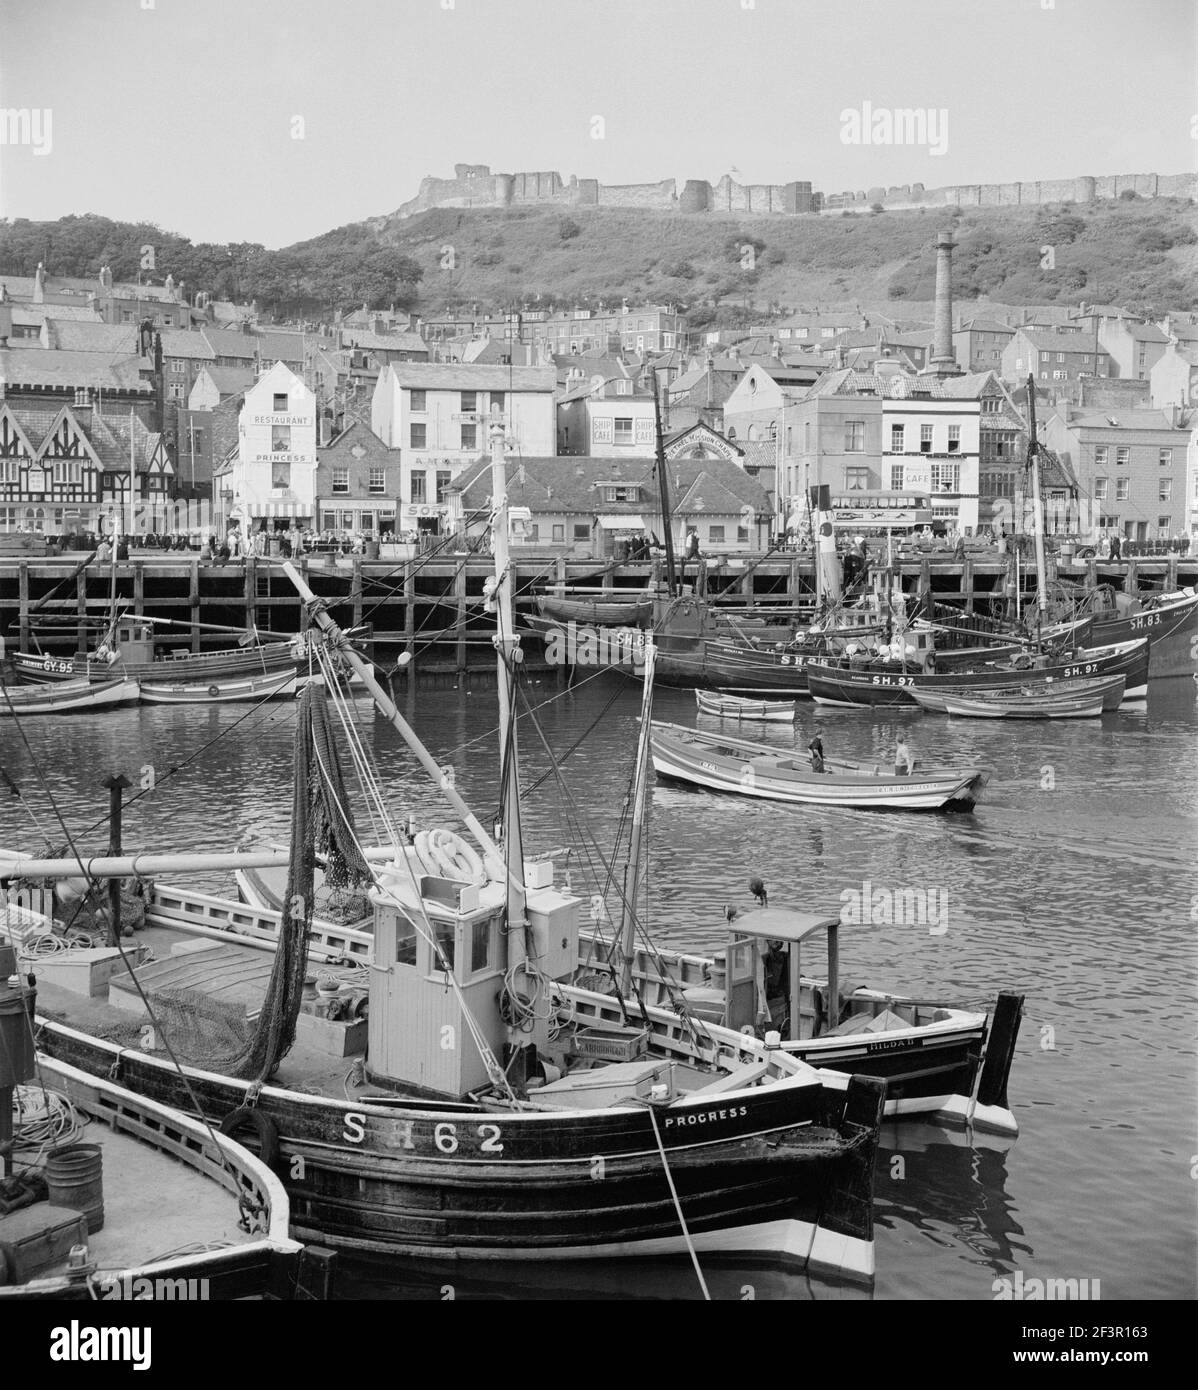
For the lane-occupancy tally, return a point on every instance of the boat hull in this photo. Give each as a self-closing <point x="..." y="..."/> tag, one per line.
<point x="194" y="667"/>
<point x="596" y="612"/>
<point x="724" y="706"/>
<point x="67" y="697"/>
<point x="281" y="684"/>
<point x="417" y="1180"/>
<point x="836" y="685"/>
<point x="1170" y="624"/>
<point x="770" y="778"/>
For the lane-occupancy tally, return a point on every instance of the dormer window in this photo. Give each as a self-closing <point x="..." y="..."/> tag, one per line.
<point x="613" y="493"/>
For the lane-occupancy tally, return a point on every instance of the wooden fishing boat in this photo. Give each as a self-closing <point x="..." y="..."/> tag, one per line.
<point x="131" y="653"/>
<point x="1112" y="688"/>
<point x="274" y="685"/>
<point x="877" y="684"/>
<point x="67" y="697"/>
<point x="1075" y="700"/>
<point x="722" y="763"/>
<point x="941" y="1061"/>
<point x="609" y="611"/>
<point x="727" y="706"/>
<point x="1168" y="621"/>
<point x="475" y="1121"/>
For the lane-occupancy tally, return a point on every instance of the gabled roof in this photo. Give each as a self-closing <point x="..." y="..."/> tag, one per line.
<point x="178" y="342"/>
<point x="388" y="342"/>
<point x="39" y="313"/>
<point x="984" y="325"/>
<point x="279" y="345"/>
<point x="708" y="496"/>
<point x="72" y="335"/>
<point x="1046" y="340"/>
<point x="1121" y="418"/>
<point x="228" y="380"/>
<point x="357" y="435"/>
<point x="229" y="342"/>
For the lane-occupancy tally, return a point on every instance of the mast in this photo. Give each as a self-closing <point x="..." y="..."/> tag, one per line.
<point x="632" y="873"/>
<point x="1033" y="463"/>
<point x="663" y="487"/>
<point x="509" y="655"/>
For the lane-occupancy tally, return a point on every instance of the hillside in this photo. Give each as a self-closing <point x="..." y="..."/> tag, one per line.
<point x="1139" y="253"/>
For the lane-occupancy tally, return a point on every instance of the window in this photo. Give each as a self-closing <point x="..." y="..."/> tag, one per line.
<point x="419" y="487"/>
<point x="623" y="426"/>
<point x="498" y="402"/>
<point x="1059" y="376"/>
<point x="175" y="391"/>
<point x="178" y="366"/>
<point x="1100" y="455"/>
<point x="1164" y="490"/>
<point x="419" y="401"/>
<point x="441" y="482"/>
<point x="1162" y="526"/>
<point x="559" y="532"/>
<point x="1061" y="358"/>
<point x="582" y="531"/>
<point x="854" y="436"/>
<point x="340" y="480"/>
<point x="715" y="534"/>
<point x="280" y="475"/>
<point x="856" y="479"/>
<point x="1166" y="458"/>
<point x="1122" y="457"/>
<point x="1100" y="489"/>
<point x="480" y="945"/>
<point x="742" y="535"/>
<point x="896" y="476"/>
<point x="896" y="439"/>
<point x="1108" y="523"/>
<point x="376" y="478"/>
<point x="280" y="439"/>
<point x="1121" y="486"/>
<point x="196" y="437"/>
<point x="469" y="436"/>
<point x="469" y="402"/>
<point x="925" y="439"/>
<point x="946" y="477"/>
<point x="954" y="439"/>
<point x="827" y="333"/>
<point x="443" y="933"/>
<point x="419" y="436"/>
<point x="532" y="533"/>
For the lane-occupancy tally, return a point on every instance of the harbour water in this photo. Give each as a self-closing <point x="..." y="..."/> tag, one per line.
<point x="1074" y="882"/>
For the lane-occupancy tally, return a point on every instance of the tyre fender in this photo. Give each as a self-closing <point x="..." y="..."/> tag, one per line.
<point x="263" y="1126"/>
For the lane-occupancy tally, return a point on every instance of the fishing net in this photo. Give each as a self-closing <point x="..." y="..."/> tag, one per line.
<point x="218" y="1036"/>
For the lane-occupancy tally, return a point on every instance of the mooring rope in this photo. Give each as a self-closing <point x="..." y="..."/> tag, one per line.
<point x="686" y="1235"/>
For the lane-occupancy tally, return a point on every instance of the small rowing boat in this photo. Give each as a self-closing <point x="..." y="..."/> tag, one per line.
<point x="722" y="763"/>
<point x="263" y="687"/>
<point x="67" y="697"/>
<point x="738" y="707"/>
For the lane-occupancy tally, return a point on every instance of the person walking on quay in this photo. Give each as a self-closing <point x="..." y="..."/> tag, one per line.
<point x="1116" y="551"/>
<point x="903" y="761"/>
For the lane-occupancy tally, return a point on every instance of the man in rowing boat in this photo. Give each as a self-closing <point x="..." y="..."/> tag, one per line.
<point x="903" y="761"/>
<point x="816" y="749"/>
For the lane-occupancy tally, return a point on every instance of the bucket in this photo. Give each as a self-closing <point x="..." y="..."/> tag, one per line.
<point x="75" y="1178"/>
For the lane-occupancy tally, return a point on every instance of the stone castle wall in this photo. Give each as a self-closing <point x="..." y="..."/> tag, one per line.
<point x="475" y="186"/>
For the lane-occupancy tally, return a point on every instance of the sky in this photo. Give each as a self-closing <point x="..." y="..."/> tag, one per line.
<point x="275" y="120"/>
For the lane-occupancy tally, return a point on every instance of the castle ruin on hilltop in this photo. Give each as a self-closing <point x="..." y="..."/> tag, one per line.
<point x="475" y="186"/>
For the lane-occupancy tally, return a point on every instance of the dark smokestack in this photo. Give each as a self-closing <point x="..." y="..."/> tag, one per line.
<point x="943" y="362"/>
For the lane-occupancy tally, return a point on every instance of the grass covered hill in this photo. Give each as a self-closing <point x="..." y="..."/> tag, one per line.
<point x="1139" y="253"/>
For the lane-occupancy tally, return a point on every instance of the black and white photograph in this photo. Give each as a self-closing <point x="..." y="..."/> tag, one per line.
<point x="599" y="666"/>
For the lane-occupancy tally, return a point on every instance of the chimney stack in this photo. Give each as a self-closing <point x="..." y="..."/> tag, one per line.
<point x="943" y="362"/>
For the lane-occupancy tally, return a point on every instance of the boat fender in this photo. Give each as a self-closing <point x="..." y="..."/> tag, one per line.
<point x="262" y="1125"/>
<point x="214" y="691"/>
<point x="456" y="858"/>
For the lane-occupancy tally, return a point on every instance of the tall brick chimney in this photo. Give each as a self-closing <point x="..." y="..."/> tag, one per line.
<point x="943" y="362"/>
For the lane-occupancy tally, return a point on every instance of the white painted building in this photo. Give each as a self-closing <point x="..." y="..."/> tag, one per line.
<point x="438" y="416"/>
<point x="272" y="477"/>
<point x="933" y="445"/>
<point x="605" y="419"/>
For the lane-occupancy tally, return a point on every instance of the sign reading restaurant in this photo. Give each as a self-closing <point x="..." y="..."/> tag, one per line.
<point x="282" y="420"/>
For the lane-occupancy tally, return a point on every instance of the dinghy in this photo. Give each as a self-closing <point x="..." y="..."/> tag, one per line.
<point x="67" y="697"/>
<point x="726" y="706"/>
<point x="1077" y="700"/>
<point x="264" y="687"/>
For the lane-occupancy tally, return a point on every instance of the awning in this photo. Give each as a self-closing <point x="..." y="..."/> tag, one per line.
<point x="622" y="523"/>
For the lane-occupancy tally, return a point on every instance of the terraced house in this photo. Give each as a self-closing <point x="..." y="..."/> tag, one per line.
<point x="1053" y="354"/>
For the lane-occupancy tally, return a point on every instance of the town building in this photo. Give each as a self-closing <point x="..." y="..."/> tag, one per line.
<point x="437" y="415"/>
<point x="1134" y="348"/>
<point x="269" y="482"/>
<point x="1173" y="379"/>
<point x="1131" y="468"/>
<point x="978" y="344"/>
<point x="1053" y="354"/>
<point x="358" y="483"/>
<point x="607" y="419"/>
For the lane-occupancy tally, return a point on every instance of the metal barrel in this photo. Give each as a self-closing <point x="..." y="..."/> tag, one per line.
<point x="75" y="1178"/>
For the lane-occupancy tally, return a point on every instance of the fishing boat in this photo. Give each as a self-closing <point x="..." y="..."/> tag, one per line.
<point x="1169" y="621"/>
<point x="870" y="683"/>
<point x="274" y="685"/>
<point x="151" y="1204"/>
<point x="726" y="706"/>
<point x="606" y="608"/>
<point x="129" y="650"/>
<point x="941" y="1060"/>
<point x="491" y="1108"/>
<point x="1112" y="688"/>
<point x="1069" y="700"/>
<point x="722" y="763"/>
<point x="67" y="697"/>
